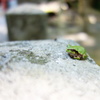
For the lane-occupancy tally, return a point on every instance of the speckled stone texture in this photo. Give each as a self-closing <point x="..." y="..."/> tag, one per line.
<point x="42" y="70"/>
<point x="26" y="22"/>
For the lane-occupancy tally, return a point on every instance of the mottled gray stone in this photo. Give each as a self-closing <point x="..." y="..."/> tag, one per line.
<point x="42" y="70"/>
<point x="26" y="22"/>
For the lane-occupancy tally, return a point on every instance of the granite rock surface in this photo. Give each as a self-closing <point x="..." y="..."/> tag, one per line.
<point x="42" y="70"/>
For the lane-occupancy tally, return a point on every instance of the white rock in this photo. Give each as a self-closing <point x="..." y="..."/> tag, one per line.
<point x="42" y="70"/>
